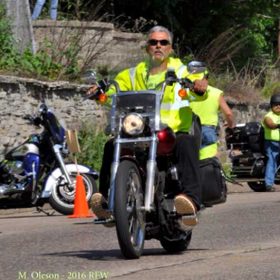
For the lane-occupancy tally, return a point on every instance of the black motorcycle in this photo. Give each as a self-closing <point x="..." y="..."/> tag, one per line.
<point x="245" y="143"/>
<point x="35" y="172"/>
<point x="144" y="177"/>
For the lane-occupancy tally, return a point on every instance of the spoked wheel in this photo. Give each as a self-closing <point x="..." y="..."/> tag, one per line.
<point x="257" y="186"/>
<point x="129" y="216"/>
<point x="62" y="197"/>
<point x="176" y="246"/>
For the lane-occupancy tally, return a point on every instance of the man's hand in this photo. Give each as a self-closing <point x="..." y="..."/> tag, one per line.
<point x="200" y="86"/>
<point x="92" y="89"/>
<point x="227" y="124"/>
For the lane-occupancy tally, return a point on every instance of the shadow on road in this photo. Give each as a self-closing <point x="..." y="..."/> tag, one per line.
<point x="109" y="255"/>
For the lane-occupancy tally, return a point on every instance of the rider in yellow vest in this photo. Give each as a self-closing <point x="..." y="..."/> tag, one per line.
<point x="173" y="108"/>
<point x="175" y="112"/>
<point x="271" y="124"/>
<point x="207" y="107"/>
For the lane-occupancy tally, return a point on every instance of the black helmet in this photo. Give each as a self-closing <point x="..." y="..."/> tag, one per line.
<point x="275" y="99"/>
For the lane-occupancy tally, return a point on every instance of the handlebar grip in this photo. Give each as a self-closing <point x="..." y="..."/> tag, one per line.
<point x="92" y="96"/>
<point x="185" y="82"/>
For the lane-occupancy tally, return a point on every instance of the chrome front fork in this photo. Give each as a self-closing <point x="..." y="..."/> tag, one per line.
<point x="114" y="169"/>
<point x="57" y="151"/>
<point x="151" y="172"/>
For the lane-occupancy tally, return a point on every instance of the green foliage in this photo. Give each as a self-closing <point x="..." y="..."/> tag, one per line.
<point x="8" y="54"/>
<point x="196" y="24"/>
<point x="6" y="39"/>
<point x="272" y="82"/>
<point x="39" y="64"/>
<point x="230" y="36"/>
<point x="27" y="63"/>
<point x="85" y="9"/>
<point x="49" y="62"/>
<point x="201" y="28"/>
<point x="92" y="143"/>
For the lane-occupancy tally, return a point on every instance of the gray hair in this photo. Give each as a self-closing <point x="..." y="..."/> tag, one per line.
<point x="159" y="28"/>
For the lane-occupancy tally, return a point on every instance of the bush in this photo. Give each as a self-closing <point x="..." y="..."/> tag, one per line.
<point x="92" y="142"/>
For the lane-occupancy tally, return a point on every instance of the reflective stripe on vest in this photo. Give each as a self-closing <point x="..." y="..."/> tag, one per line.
<point x="132" y="72"/>
<point x="178" y="102"/>
<point x="176" y="105"/>
<point x="208" y="151"/>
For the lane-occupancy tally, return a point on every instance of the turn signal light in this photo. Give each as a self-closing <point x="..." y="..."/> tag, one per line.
<point x="182" y="93"/>
<point x="102" y="98"/>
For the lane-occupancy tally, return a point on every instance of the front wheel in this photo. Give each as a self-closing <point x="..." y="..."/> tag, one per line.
<point x="257" y="186"/>
<point x="129" y="215"/>
<point x="62" y="197"/>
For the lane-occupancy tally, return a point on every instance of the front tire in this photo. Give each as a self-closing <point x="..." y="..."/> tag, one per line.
<point x="129" y="215"/>
<point x="257" y="186"/>
<point x="62" y="198"/>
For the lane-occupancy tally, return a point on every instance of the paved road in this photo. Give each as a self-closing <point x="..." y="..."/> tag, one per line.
<point x="237" y="240"/>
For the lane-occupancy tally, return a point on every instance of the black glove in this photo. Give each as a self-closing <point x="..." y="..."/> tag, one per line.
<point x="103" y="84"/>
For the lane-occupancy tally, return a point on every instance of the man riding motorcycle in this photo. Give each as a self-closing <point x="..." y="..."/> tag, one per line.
<point x="174" y="112"/>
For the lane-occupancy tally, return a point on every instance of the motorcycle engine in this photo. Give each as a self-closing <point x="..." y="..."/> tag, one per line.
<point x="10" y="172"/>
<point x="15" y="167"/>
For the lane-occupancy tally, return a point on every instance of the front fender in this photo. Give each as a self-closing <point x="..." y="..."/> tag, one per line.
<point x="52" y="178"/>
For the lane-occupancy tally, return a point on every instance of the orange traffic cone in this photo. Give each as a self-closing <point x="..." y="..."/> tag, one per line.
<point x="80" y="203"/>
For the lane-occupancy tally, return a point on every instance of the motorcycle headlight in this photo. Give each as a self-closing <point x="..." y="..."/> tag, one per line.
<point x="133" y="124"/>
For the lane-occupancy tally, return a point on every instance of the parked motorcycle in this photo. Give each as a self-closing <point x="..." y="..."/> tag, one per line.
<point x="245" y="143"/>
<point x="35" y="171"/>
<point x="144" y="178"/>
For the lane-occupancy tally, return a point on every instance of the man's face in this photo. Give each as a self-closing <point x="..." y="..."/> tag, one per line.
<point x="276" y="108"/>
<point x="159" y="46"/>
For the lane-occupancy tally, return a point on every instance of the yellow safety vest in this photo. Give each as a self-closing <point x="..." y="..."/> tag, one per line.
<point x="208" y="151"/>
<point x="175" y="112"/>
<point x="207" y="106"/>
<point x="272" y="134"/>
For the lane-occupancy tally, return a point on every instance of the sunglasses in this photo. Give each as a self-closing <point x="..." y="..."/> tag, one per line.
<point x="276" y="104"/>
<point x="154" y="42"/>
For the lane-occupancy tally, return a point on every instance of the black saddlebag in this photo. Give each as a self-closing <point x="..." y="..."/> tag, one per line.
<point x="214" y="189"/>
<point x="249" y="136"/>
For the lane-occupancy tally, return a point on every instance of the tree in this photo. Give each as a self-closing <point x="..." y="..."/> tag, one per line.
<point x="247" y="28"/>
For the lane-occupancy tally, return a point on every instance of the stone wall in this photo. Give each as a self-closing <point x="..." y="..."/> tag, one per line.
<point x="20" y="96"/>
<point x="100" y="45"/>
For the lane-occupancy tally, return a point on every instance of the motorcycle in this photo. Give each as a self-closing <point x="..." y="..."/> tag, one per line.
<point x="245" y="143"/>
<point x="143" y="176"/>
<point x="35" y="172"/>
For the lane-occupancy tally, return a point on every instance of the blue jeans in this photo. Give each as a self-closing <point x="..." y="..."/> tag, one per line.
<point x="272" y="152"/>
<point x="209" y="135"/>
<point x="38" y="8"/>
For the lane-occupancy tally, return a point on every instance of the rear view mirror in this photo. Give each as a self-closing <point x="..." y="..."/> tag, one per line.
<point x="89" y="77"/>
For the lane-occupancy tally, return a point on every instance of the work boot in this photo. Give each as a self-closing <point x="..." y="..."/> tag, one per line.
<point x="269" y="189"/>
<point x="99" y="206"/>
<point x="185" y="207"/>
